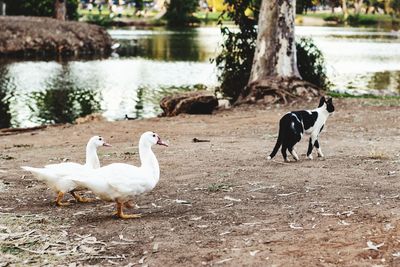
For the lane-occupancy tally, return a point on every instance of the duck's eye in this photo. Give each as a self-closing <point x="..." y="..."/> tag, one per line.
<point x="154" y="135"/>
<point x="100" y="139"/>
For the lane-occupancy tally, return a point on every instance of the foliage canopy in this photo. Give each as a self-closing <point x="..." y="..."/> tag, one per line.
<point x="42" y="8"/>
<point x="180" y="12"/>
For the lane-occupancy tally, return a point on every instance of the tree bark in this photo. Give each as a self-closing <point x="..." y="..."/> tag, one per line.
<point x="274" y="75"/>
<point x="60" y="9"/>
<point x="275" y="54"/>
<point x="344" y="9"/>
<point x="358" y="6"/>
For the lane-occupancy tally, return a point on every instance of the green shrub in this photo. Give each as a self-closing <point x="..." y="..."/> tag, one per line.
<point x="104" y="21"/>
<point x="357" y="19"/>
<point x="180" y="12"/>
<point x="235" y="60"/>
<point x="311" y="63"/>
<point x="334" y="18"/>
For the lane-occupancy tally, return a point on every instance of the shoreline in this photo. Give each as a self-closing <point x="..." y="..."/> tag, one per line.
<point x="42" y="36"/>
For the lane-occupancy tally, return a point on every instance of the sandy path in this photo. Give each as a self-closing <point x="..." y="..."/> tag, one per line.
<point x="242" y="210"/>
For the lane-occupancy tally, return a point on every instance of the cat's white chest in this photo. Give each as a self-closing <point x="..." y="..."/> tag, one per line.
<point x="316" y="128"/>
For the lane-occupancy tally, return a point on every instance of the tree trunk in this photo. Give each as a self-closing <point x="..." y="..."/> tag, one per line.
<point x="344" y="9"/>
<point x="275" y="54"/>
<point x="274" y="74"/>
<point x="358" y="6"/>
<point x="60" y="9"/>
<point x="161" y="4"/>
<point x="386" y="7"/>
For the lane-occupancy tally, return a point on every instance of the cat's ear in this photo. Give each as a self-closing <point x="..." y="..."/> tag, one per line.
<point x="329" y="101"/>
<point x="321" y="102"/>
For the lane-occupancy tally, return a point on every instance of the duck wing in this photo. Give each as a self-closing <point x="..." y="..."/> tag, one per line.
<point x="114" y="181"/>
<point x="51" y="178"/>
<point x="41" y="174"/>
<point x="66" y="168"/>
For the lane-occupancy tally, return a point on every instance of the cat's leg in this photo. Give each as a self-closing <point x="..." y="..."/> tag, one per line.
<point x="284" y="153"/>
<point x="311" y="143"/>
<point x="294" y="154"/>
<point x="319" y="151"/>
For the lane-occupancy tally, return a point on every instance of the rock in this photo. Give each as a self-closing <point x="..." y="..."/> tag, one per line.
<point x="20" y="35"/>
<point x="199" y="102"/>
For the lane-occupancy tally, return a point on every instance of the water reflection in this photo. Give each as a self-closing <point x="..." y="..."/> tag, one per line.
<point x="164" y="45"/>
<point x="62" y="100"/>
<point x="6" y="88"/>
<point x="386" y="80"/>
<point x="139" y="102"/>
<point x="152" y="63"/>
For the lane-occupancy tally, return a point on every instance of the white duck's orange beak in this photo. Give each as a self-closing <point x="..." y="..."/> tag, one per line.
<point x="161" y="142"/>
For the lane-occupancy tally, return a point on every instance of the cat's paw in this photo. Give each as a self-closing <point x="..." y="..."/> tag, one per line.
<point x="269" y="158"/>
<point x="287" y="160"/>
<point x="320" y="154"/>
<point x="310" y="157"/>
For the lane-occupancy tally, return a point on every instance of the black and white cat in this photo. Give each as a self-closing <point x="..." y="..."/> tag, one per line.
<point x="294" y="124"/>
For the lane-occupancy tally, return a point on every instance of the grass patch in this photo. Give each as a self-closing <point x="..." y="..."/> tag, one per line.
<point x="210" y="16"/>
<point x="104" y="21"/>
<point x="6" y="157"/>
<point x="353" y="19"/>
<point x="10" y="249"/>
<point x="23" y="145"/>
<point x="377" y="155"/>
<point x="219" y="187"/>
<point x="369" y="96"/>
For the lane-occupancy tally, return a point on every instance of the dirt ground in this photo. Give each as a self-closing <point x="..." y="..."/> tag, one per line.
<point x="219" y="202"/>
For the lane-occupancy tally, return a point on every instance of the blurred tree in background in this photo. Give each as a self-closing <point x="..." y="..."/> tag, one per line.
<point x="236" y="58"/>
<point x="60" y="9"/>
<point x="180" y="12"/>
<point x="303" y="5"/>
<point x="42" y="8"/>
<point x="395" y="5"/>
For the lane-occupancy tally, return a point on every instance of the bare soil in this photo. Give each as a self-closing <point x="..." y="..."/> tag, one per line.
<point x="219" y="202"/>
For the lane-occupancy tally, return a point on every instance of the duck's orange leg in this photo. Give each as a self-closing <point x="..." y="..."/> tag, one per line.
<point x="127" y="205"/>
<point x="80" y="198"/>
<point x="59" y="198"/>
<point x="120" y="212"/>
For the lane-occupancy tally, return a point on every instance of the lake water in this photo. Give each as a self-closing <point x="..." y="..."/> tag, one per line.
<point x="152" y="63"/>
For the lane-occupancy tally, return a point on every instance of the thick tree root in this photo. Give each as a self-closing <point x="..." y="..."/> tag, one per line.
<point x="278" y="90"/>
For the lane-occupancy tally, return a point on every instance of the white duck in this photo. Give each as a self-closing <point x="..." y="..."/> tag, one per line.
<point x="55" y="175"/>
<point x="120" y="182"/>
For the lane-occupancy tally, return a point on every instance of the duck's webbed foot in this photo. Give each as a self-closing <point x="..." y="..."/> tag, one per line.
<point x="120" y="213"/>
<point x="59" y="198"/>
<point x="80" y="198"/>
<point x="127" y="205"/>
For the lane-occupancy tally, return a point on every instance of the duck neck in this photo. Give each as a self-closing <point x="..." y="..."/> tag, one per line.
<point x="149" y="161"/>
<point x="92" y="160"/>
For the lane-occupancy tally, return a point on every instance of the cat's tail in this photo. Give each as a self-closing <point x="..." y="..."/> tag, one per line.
<point x="277" y="145"/>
